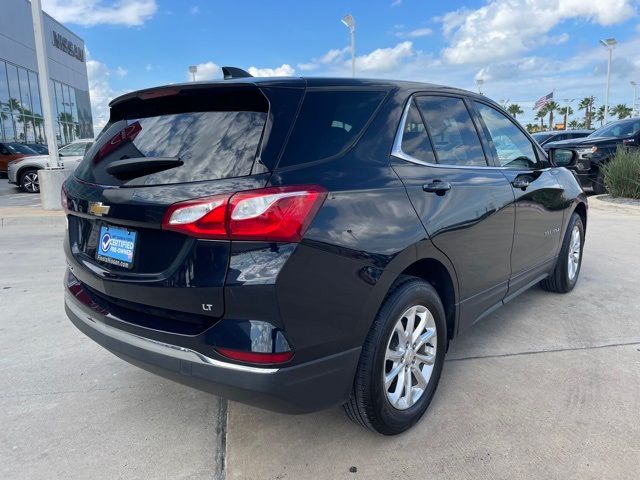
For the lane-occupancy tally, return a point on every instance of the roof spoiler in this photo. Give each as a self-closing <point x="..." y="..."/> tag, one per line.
<point x="234" y="72"/>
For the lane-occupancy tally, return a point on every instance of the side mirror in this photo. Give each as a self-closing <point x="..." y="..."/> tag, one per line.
<point x="563" y="157"/>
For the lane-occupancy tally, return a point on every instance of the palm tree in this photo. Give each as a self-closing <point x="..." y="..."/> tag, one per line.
<point x="531" y="127"/>
<point x="598" y="116"/>
<point x="515" y="110"/>
<point x="573" y="124"/>
<point x="587" y="104"/>
<point x="565" y="111"/>
<point x="541" y="114"/>
<point x="621" y="110"/>
<point x="551" y="107"/>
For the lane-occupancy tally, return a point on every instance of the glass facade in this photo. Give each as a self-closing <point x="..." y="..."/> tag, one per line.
<point x="21" y="108"/>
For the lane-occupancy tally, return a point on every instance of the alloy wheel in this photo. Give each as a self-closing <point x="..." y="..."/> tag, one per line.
<point x="410" y="357"/>
<point x="575" y="246"/>
<point x="30" y="182"/>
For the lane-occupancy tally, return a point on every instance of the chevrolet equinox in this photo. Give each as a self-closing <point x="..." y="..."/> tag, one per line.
<point x="299" y="243"/>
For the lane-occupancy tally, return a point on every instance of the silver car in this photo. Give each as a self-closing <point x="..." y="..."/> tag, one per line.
<point x="24" y="171"/>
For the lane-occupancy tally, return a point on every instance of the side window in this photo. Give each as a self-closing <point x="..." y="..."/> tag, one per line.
<point x="329" y="122"/>
<point x="415" y="140"/>
<point x="512" y="146"/>
<point x="452" y="131"/>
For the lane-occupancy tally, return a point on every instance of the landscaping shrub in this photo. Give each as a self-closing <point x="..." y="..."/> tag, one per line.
<point x="622" y="174"/>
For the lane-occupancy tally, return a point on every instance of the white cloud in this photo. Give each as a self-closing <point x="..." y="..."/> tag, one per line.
<point x="194" y="10"/>
<point x="396" y="3"/>
<point x="93" y="12"/>
<point x="206" y="71"/>
<point x="100" y="91"/>
<point x="334" y="54"/>
<point x="305" y="67"/>
<point x="121" y="72"/>
<point x="384" y="59"/>
<point x="284" y="70"/>
<point x="148" y="67"/>
<point x="504" y="28"/>
<point x="418" y="32"/>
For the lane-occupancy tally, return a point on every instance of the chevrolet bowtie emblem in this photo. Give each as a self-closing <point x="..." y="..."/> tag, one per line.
<point x="98" y="209"/>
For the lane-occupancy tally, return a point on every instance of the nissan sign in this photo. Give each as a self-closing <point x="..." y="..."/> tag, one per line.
<point x="68" y="47"/>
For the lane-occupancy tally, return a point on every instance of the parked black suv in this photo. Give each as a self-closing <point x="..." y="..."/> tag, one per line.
<point x="301" y="243"/>
<point x="598" y="148"/>
<point x="556" y="135"/>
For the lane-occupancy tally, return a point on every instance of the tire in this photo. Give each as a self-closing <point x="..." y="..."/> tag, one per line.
<point x="370" y="403"/>
<point x="29" y="181"/>
<point x="599" y="186"/>
<point x="563" y="279"/>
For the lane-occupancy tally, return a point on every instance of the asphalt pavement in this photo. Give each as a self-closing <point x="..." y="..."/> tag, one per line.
<point x="12" y="196"/>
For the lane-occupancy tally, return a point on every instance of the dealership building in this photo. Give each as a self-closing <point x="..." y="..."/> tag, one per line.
<point x="21" y="118"/>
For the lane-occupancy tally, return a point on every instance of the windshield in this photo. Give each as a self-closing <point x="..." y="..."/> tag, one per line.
<point x="16" y="148"/>
<point x="618" y="129"/>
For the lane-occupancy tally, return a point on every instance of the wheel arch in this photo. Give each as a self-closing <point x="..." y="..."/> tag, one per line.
<point x="422" y="261"/>
<point x="436" y="273"/>
<point x="581" y="209"/>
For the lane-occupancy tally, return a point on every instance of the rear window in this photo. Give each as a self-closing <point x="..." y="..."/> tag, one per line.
<point x="328" y="123"/>
<point x="210" y="145"/>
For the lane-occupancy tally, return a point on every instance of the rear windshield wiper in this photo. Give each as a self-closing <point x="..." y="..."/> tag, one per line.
<point x="130" y="168"/>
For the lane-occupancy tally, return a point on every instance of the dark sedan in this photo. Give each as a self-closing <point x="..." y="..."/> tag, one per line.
<point x="598" y="148"/>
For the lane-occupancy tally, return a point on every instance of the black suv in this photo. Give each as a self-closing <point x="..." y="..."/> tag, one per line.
<point x="556" y="135"/>
<point x="300" y="243"/>
<point x="598" y="148"/>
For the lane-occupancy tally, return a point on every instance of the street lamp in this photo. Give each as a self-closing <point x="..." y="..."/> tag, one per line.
<point x="633" y="104"/>
<point x="350" y="23"/>
<point x="479" y="83"/>
<point x="193" y="69"/>
<point x="609" y="44"/>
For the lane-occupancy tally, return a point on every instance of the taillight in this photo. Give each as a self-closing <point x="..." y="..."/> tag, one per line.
<point x="255" y="357"/>
<point x="202" y="217"/>
<point x="269" y="214"/>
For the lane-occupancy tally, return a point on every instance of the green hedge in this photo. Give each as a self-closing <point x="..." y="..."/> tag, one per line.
<point x="622" y="174"/>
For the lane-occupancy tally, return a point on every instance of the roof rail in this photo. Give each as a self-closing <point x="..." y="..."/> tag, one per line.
<point x="234" y="72"/>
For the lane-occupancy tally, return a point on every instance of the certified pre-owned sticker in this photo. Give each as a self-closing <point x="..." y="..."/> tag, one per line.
<point x="116" y="246"/>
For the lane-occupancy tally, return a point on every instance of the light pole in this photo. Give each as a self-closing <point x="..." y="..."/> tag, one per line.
<point x="633" y="104"/>
<point x="350" y="23"/>
<point x="609" y="44"/>
<point x="479" y="83"/>
<point x="43" y="81"/>
<point x="193" y="69"/>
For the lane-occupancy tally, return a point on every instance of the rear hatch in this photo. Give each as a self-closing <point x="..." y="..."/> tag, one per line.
<point x="161" y="147"/>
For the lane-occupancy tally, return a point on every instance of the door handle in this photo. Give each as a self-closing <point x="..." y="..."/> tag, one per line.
<point x="437" y="186"/>
<point x="522" y="183"/>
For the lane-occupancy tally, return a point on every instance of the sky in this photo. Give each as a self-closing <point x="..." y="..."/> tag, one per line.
<point x="522" y="49"/>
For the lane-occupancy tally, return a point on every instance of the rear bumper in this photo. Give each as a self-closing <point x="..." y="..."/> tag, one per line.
<point x="307" y="387"/>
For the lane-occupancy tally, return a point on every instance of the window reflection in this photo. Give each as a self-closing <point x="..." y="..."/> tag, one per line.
<point x="452" y="131"/>
<point x="512" y="146"/>
<point x="21" y="108"/>
<point x="212" y="145"/>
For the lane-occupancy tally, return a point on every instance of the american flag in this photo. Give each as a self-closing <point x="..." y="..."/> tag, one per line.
<point x="542" y="101"/>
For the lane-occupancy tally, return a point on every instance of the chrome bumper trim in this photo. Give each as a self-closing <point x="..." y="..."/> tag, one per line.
<point x="162" y="348"/>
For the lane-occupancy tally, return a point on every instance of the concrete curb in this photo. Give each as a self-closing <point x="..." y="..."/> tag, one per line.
<point x="30" y="216"/>
<point x="613" y="204"/>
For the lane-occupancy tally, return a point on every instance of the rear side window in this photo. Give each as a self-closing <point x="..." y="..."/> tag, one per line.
<point x="328" y="123"/>
<point x="210" y="145"/>
<point x="452" y="131"/>
<point x="415" y="140"/>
